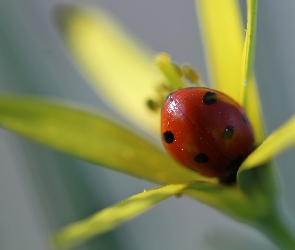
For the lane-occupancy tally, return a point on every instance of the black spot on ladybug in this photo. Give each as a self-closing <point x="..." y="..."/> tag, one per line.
<point x="201" y="158"/>
<point x="210" y="98"/>
<point x="245" y="119"/>
<point x="168" y="137"/>
<point x="228" y="133"/>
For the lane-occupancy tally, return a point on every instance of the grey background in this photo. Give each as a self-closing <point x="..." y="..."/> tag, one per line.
<point x="42" y="190"/>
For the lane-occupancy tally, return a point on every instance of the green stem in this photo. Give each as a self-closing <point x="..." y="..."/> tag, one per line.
<point x="276" y="227"/>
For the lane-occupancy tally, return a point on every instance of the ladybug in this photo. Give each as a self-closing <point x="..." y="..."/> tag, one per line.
<point x="206" y="131"/>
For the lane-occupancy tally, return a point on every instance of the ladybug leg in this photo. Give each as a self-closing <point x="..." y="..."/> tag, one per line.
<point x="155" y="103"/>
<point x="229" y="180"/>
<point x="232" y="169"/>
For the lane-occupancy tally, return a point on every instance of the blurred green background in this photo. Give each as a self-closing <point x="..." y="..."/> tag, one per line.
<point x="42" y="190"/>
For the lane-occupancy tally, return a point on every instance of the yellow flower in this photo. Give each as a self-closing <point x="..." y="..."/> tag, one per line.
<point x="122" y="73"/>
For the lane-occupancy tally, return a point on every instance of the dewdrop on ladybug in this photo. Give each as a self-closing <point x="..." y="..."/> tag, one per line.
<point x="206" y="131"/>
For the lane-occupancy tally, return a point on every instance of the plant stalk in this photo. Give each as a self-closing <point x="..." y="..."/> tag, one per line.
<point x="278" y="228"/>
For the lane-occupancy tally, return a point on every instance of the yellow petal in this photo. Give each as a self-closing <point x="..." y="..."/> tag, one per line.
<point x="118" y="69"/>
<point x="113" y="216"/>
<point x="253" y="109"/>
<point x="222" y="29"/>
<point x="280" y="140"/>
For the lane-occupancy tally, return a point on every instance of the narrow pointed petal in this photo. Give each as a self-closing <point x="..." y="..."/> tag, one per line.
<point x="253" y="109"/>
<point x="222" y="30"/>
<point x="89" y="136"/>
<point x="113" y="216"/>
<point x="249" y="45"/>
<point x="248" y="94"/>
<point x="279" y="141"/>
<point x="118" y="69"/>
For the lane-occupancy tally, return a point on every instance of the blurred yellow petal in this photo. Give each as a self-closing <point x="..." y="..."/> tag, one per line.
<point x="113" y="216"/>
<point x="222" y="30"/>
<point x="117" y="68"/>
<point x="279" y="141"/>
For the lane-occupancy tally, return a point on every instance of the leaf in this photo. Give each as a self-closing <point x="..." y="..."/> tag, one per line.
<point x="119" y="70"/>
<point x="89" y="136"/>
<point x="111" y="217"/>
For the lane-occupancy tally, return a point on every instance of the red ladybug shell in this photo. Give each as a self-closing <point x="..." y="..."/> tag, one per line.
<point x="206" y="131"/>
